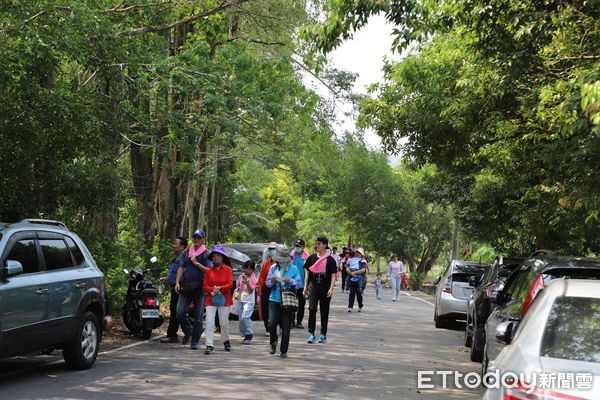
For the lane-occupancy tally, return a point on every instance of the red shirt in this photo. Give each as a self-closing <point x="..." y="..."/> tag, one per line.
<point x="264" y="271"/>
<point x="218" y="276"/>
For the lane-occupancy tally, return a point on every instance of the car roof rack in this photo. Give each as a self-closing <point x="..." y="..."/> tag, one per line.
<point x="42" y="221"/>
<point x="547" y="253"/>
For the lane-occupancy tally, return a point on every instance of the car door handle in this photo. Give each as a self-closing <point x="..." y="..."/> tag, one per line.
<point x="81" y="285"/>
<point x="42" y="292"/>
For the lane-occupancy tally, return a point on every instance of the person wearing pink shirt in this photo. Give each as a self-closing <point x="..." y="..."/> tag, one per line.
<point x="395" y="270"/>
<point x="244" y="292"/>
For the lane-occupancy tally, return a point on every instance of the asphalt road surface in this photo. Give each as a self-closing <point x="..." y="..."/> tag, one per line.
<point x="370" y="355"/>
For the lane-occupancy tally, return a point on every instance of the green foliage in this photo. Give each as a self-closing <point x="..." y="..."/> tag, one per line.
<point x="503" y="98"/>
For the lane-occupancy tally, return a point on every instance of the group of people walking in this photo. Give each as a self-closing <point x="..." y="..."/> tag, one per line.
<point x="201" y="277"/>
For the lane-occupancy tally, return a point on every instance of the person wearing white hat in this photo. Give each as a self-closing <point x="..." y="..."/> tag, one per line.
<point x="356" y="270"/>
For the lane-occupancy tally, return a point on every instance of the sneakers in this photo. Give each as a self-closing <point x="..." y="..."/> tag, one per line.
<point x="170" y="339"/>
<point x="323" y="338"/>
<point x="283" y="355"/>
<point x="209" y="350"/>
<point x="299" y="326"/>
<point x="227" y="345"/>
<point x="349" y="310"/>
<point x="195" y="346"/>
<point x="185" y="340"/>
<point x="311" y="338"/>
<point x="273" y="348"/>
<point x="247" y="339"/>
<point x="359" y="309"/>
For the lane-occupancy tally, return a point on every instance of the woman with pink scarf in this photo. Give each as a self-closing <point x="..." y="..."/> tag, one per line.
<point x="319" y="272"/>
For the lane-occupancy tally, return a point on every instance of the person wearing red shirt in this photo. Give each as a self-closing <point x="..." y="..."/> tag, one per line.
<point x="263" y="290"/>
<point x="217" y="285"/>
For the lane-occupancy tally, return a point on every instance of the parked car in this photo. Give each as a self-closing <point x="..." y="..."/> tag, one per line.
<point x="51" y="293"/>
<point x="533" y="275"/>
<point x="557" y="337"/>
<point x="257" y="253"/>
<point x="480" y="303"/>
<point x="453" y="290"/>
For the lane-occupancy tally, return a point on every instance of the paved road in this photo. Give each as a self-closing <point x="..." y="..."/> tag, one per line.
<point x="370" y="355"/>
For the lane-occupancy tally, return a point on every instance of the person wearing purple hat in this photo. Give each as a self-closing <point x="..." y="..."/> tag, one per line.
<point x="188" y="284"/>
<point x="217" y="287"/>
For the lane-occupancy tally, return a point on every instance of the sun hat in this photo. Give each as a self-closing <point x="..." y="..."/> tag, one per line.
<point x="282" y="255"/>
<point x="360" y="250"/>
<point x="199" y="232"/>
<point x="217" y="249"/>
<point x="272" y="245"/>
<point x="300" y="242"/>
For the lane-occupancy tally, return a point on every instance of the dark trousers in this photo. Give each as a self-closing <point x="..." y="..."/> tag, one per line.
<point x="277" y="316"/>
<point x="301" y="306"/>
<point x="344" y="275"/>
<point x="264" y="305"/>
<point x="173" y="323"/>
<point x="355" y="290"/>
<point x="318" y="296"/>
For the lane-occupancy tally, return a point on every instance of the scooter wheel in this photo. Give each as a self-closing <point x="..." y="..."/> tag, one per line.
<point x="146" y="334"/>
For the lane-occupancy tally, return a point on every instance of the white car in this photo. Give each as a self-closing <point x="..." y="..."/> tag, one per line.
<point x="453" y="290"/>
<point x="556" y="347"/>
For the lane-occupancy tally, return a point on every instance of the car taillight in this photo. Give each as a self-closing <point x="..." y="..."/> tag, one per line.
<point x="448" y="285"/>
<point x="150" y="301"/>
<point x="533" y="291"/>
<point x="522" y="393"/>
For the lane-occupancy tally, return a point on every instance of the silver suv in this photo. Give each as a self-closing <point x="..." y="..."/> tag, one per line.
<point x="51" y="292"/>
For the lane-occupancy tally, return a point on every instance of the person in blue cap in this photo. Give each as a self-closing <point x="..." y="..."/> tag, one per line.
<point x="188" y="284"/>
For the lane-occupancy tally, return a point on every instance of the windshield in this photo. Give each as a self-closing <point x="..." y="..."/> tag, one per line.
<point x="473" y="269"/>
<point x="572" y="330"/>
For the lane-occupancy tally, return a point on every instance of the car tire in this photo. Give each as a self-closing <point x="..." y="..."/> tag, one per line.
<point x="82" y="350"/>
<point x="440" y="322"/>
<point x="476" y="355"/>
<point x="468" y="333"/>
<point x="146" y="334"/>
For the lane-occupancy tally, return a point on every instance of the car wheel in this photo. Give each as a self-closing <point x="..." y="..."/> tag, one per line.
<point x="146" y="334"/>
<point x="81" y="352"/>
<point x="440" y="322"/>
<point x="476" y="354"/>
<point x="468" y="332"/>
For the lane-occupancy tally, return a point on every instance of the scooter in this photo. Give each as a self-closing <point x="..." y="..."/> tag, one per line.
<point x="141" y="311"/>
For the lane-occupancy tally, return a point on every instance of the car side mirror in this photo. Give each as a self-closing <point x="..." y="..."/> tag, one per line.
<point x="437" y="280"/>
<point x="505" y="332"/>
<point x="12" y="268"/>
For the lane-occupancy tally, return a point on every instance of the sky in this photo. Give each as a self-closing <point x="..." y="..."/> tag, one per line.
<point x="364" y="54"/>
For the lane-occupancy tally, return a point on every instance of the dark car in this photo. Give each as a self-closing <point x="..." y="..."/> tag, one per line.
<point x="481" y="303"/>
<point x="51" y="293"/>
<point x="532" y="276"/>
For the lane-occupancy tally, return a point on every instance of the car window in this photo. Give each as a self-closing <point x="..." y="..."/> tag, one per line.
<point x="469" y="269"/>
<point x="24" y="251"/>
<point x="572" y="330"/>
<point x="75" y="250"/>
<point x="56" y="254"/>
<point x="518" y="283"/>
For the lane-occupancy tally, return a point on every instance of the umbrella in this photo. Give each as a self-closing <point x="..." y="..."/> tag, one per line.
<point x="235" y="255"/>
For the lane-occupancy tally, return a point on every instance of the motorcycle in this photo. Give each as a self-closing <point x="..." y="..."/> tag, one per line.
<point x="141" y="311"/>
